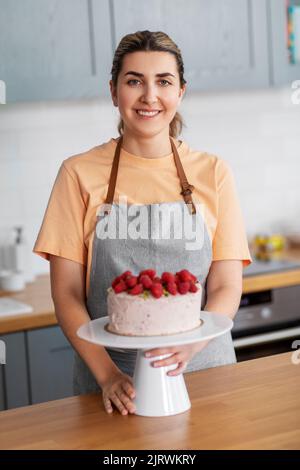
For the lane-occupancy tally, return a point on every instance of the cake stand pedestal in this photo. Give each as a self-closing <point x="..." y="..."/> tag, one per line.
<point x="157" y="394"/>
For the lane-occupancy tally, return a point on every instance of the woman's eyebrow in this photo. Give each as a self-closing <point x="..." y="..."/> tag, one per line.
<point x="137" y="74"/>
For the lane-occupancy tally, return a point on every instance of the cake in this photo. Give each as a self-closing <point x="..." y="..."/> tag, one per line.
<point x="148" y="305"/>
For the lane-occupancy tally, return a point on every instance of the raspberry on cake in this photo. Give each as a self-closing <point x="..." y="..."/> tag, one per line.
<point x="150" y="305"/>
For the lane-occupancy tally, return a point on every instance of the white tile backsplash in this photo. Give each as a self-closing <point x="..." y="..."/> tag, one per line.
<point x="9" y="140"/>
<point x="257" y="132"/>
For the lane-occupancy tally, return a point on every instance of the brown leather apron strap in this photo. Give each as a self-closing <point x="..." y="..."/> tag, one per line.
<point x="187" y="188"/>
<point x="113" y="177"/>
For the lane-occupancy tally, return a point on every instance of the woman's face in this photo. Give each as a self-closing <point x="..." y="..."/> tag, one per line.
<point x="145" y="90"/>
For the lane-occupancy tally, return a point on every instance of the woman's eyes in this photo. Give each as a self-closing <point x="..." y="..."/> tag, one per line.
<point x="135" y="80"/>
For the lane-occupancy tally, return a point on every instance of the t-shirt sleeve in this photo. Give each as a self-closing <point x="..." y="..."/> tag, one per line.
<point x="230" y="240"/>
<point x="61" y="232"/>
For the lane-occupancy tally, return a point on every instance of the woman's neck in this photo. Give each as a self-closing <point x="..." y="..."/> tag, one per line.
<point x="154" y="147"/>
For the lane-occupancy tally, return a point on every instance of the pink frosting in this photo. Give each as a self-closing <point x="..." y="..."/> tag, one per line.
<point x="132" y="315"/>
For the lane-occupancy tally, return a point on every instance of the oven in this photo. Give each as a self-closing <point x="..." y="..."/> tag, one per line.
<point x="267" y="322"/>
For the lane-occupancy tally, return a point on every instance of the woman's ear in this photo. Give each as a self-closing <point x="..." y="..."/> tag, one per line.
<point x="113" y="93"/>
<point x="182" y="92"/>
<point x="183" y="89"/>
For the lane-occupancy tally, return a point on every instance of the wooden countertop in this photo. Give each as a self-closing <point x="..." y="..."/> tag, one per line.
<point x="249" y="405"/>
<point x="276" y="279"/>
<point x="38" y="294"/>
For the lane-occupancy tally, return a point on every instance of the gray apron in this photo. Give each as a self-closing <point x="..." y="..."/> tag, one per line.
<point x="163" y="245"/>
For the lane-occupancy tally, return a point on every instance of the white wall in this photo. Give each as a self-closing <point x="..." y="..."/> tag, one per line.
<point x="257" y="132"/>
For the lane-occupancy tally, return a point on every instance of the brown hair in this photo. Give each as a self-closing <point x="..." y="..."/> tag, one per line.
<point x="148" y="41"/>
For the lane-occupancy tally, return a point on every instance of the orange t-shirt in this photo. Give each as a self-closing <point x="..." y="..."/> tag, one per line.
<point x="81" y="187"/>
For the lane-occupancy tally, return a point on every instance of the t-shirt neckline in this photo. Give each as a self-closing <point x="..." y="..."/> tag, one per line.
<point x="148" y="162"/>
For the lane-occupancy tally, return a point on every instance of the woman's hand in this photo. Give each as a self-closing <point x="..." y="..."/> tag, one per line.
<point x="119" y="390"/>
<point x="181" y="355"/>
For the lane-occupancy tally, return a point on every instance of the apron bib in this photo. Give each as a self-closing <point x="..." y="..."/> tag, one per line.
<point x="173" y="237"/>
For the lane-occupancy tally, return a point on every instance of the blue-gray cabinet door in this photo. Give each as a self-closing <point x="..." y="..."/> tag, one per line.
<point x="55" y="49"/>
<point x="51" y="364"/>
<point x="15" y="371"/>
<point x="282" y="71"/>
<point x="223" y="42"/>
<point x="2" y="390"/>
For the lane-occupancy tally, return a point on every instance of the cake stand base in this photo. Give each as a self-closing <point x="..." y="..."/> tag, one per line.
<point x="158" y="394"/>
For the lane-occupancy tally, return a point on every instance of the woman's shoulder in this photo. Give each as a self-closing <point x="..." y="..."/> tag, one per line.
<point x="208" y="160"/>
<point x="208" y="168"/>
<point x="90" y="158"/>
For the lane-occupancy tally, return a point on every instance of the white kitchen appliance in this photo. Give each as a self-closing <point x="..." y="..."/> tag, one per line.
<point x="157" y="394"/>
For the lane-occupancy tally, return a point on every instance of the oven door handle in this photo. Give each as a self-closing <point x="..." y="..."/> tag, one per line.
<point x="266" y="337"/>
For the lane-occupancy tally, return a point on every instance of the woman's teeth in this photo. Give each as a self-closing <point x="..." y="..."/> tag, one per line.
<point x="147" y="113"/>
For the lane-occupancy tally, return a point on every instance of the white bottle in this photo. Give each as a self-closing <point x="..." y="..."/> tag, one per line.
<point x="20" y="256"/>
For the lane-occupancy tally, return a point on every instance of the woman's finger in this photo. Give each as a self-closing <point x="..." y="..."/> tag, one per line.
<point x="174" y="359"/>
<point x="129" y="389"/>
<point x="181" y="367"/>
<point x="116" y="400"/>
<point x="159" y="352"/>
<point x="126" y="401"/>
<point x="107" y="405"/>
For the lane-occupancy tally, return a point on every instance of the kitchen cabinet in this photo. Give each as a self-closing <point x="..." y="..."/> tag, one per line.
<point x="15" y="383"/>
<point x="51" y="363"/>
<point x="55" y="49"/>
<point x="38" y="367"/>
<point x="282" y="71"/>
<point x="224" y="44"/>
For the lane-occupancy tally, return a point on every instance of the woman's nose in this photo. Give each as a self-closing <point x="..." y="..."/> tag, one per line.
<point x="149" y="95"/>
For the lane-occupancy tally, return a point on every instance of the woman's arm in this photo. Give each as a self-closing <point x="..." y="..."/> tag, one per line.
<point x="224" y="287"/>
<point x="68" y="294"/>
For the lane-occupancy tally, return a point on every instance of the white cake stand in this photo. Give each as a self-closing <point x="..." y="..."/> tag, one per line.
<point x="157" y="394"/>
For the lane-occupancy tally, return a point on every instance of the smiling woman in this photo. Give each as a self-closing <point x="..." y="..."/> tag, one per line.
<point x="150" y="168"/>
